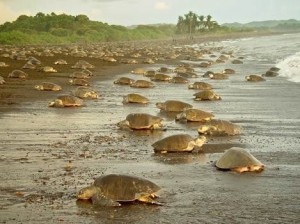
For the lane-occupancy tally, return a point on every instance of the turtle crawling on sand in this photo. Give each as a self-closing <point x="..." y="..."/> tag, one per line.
<point x="48" y="86"/>
<point x="135" y="98"/>
<point x="66" y="101"/>
<point x="141" y="121"/>
<point x="206" y="95"/>
<point x="115" y="189"/>
<point x="85" y="92"/>
<point x="200" y="85"/>
<point x="142" y="84"/>
<point x="239" y="160"/>
<point x="139" y="71"/>
<point x="219" y="127"/>
<point x="47" y="69"/>
<point x="194" y="115"/>
<point x="178" y="143"/>
<point x="17" y="74"/>
<point x="254" y="78"/>
<point x="79" y="82"/>
<point x="173" y="106"/>
<point x="124" y="81"/>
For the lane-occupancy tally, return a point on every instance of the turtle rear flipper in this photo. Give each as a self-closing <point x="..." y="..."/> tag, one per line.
<point x="101" y="200"/>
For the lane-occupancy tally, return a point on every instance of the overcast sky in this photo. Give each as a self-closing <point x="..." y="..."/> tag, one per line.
<point x="133" y="12"/>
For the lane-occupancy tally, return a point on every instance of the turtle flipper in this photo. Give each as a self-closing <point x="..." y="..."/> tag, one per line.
<point x="101" y="200"/>
<point x="147" y="198"/>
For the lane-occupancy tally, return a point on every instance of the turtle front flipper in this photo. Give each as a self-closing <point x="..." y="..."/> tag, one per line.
<point x="147" y="198"/>
<point x="101" y="200"/>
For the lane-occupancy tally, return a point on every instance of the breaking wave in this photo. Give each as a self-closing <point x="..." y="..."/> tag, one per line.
<point x="290" y="67"/>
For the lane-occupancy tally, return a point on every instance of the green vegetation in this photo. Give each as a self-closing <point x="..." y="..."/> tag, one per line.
<point x="63" y="29"/>
<point x="56" y="29"/>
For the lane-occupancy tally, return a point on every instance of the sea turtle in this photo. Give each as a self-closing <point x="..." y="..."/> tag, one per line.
<point x="205" y="64"/>
<point x="187" y="74"/>
<point x="271" y="73"/>
<point x="3" y="64"/>
<point x="194" y="115"/>
<point x="60" y="62"/>
<point x="228" y="71"/>
<point x="34" y="60"/>
<point x="17" y="74"/>
<point x="254" y="78"/>
<point x="115" y="189"/>
<point x="29" y="65"/>
<point x="148" y="61"/>
<point x="79" y="75"/>
<point x="149" y="73"/>
<point x="178" y="143"/>
<point x="66" y="101"/>
<point x="173" y="106"/>
<point x="2" y="81"/>
<point x="200" y="85"/>
<point x="79" y="82"/>
<point x="83" y="65"/>
<point x="142" y="84"/>
<point x="138" y="71"/>
<point x="135" y="98"/>
<point x="124" y="81"/>
<point x="48" y="86"/>
<point x="160" y="77"/>
<point x="238" y="160"/>
<point x="218" y="76"/>
<point x="165" y="70"/>
<point x="206" y="95"/>
<point x="237" y="61"/>
<point x="207" y="74"/>
<point x="178" y="79"/>
<point x="47" y="69"/>
<point x="141" y="121"/>
<point x="85" y="92"/>
<point x="219" y="127"/>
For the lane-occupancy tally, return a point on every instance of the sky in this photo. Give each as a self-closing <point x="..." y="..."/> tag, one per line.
<point x="134" y="12"/>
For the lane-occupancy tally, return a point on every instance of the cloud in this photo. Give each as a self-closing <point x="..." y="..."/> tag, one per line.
<point x="7" y="14"/>
<point x="161" y="5"/>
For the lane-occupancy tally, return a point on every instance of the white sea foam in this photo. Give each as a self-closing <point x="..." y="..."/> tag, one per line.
<point x="290" y="67"/>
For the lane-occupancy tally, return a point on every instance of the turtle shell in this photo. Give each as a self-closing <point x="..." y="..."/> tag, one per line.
<point x="219" y="76"/>
<point x="142" y="84"/>
<point x="173" y="143"/>
<point x="135" y="98"/>
<point x="236" y="157"/>
<point x="200" y="85"/>
<point x="124" y="81"/>
<point x="142" y="120"/>
<point x="49" y="86"/>
<point x="69" y="100"/>
<point x="138" y="71"/>
<point x="254" y="78"/>
<point x="85" y="92"/>
<point x="178" y="79"/>
<point x="206" y="95"/>
<point x="79" y="82"/>
<point x="196" y="115"/>
<point x="18" y="74"/>
<point x="124" y="187"/>
<point x="160" y="77"/>
<point x="222" y="127"/>
<point x="174" y="106"/>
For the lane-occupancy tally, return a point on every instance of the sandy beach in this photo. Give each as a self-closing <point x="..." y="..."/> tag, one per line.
<point x="48" y="154"/>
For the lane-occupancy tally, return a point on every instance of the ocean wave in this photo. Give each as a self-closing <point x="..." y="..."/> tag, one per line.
<point x="290" y="67"/>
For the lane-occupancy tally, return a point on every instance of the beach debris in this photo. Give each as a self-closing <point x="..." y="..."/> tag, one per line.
<point x="239" y="160"/>
<point x="178" y="143"/>
<point x="115" y="189"/>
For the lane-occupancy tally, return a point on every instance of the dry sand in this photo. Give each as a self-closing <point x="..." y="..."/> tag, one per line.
<point x="48" y="154"/>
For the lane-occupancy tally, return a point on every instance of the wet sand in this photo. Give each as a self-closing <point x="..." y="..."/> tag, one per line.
<point x="48" y="154"/>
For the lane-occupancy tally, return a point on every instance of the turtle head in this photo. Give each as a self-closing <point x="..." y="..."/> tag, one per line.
<point x="247" y="78"/>
<point x="200" y="141"/>
<point x="191" y="86"/>
<point x="205" y="129"/>
<point x="160" y="105"/>
<point x="125" y="99"/>
<point x="71" y="81"/>
<point x="211" y="76"/>
<point x="180" y="116"/>
<point x="56" y="103"/>
<point x="87" y="193"/>
<point x="123" y="124"/>
<point x="38" y="87"/>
